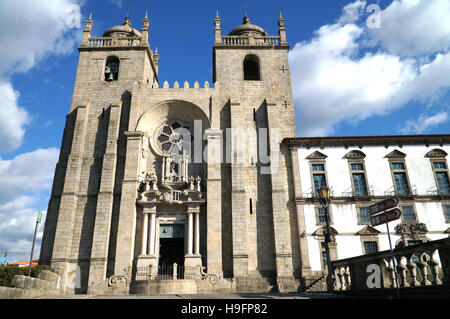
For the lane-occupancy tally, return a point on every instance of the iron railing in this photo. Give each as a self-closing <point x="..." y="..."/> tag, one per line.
<point x="166" y="272"/>
<point x="439" y="191"/>
<point x="352" y="193"/>
<point x="401" y="192"/>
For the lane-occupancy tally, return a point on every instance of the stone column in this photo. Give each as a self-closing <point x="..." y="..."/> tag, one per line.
<point x="197" y="233"/>
<point x="144" y="234"/>
<point x="190" y="233"/>
<point x="151" y="238"/>
<point x="190" y="259"/>
<point x="149" y="234"/>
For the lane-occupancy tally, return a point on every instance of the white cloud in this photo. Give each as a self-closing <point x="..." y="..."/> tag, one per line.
<point x="31" y="30"/>
<point x="28" y="172"/>
<point x="331" y="84"/>
<point x="12" y="120"/>
<point x="352" y="12"/>
<point x="335" y="77"/>
<point x="424" y="122"/>
<point x="414" y="27"/>
<point x="22" y="180"/>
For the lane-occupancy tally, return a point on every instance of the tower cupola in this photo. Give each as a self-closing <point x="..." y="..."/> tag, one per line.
<point x="124" y="30"/>
<point x="246" y="28"/>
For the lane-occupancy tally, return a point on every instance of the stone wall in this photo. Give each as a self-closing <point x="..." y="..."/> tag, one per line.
<point x="25" y="287"/>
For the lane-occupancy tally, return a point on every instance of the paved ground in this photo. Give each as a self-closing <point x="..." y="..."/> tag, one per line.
<point x="204" y="296"/>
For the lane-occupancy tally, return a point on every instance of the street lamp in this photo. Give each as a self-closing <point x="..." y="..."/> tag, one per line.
<point x="324" y="198"/>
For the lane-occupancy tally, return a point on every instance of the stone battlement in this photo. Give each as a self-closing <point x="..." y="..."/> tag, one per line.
<point x="176" y="85"/>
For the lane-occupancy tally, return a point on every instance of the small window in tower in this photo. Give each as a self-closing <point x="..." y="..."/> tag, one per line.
<point x="112" y="69"/>
<point x="251" y="68"/>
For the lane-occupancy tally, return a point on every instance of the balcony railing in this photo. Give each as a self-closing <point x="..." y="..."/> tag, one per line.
<point x="412" y="191"/>
<point x="438" y="191"/>
<point x="248" y="41"/>
<point x="352" y="193"/>
<point x="310" y="193"/>
<point x="114" y="42"/>
<point x="401" y="192"/>
<point x="419" y="265"/>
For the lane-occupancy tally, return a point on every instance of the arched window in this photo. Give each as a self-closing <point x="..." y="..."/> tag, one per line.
<point x="251" y="68"/>
<point x="112" y="69"/>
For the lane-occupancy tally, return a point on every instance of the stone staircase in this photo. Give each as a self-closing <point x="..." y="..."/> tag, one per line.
<point x="255" y="283"/>
<point x="317" y="285"/>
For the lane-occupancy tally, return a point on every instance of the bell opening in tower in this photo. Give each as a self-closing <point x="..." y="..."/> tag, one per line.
<point x="251" y="68"/>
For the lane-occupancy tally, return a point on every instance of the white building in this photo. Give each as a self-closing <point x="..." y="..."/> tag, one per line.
<point x="361" y="171"/>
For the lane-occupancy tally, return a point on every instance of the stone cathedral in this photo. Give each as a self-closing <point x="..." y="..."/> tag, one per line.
<point x="151" y="184"/>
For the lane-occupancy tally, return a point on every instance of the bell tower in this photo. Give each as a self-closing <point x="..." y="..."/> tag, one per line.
<point x="251" y="70"/>
<point x="88" y="179"/>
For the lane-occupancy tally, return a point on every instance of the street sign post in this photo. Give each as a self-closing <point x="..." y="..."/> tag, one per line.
<point x="379" y="214"/>
<point x="38" y="221"/>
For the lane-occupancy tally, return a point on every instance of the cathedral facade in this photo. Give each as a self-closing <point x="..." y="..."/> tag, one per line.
<point x="151" y="175"/>
<point x="205" y="188"/>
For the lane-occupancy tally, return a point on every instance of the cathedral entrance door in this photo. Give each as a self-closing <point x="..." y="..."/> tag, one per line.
<point x="171" y="247"/>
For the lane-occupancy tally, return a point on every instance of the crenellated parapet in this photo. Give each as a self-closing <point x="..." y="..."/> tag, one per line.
<point x="176" y="86"/>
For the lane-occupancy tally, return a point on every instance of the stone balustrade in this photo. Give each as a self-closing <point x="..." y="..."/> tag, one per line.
<point x="426" y="264"/>
<point x="249" y="41"/>
<point x="98" y="42"/>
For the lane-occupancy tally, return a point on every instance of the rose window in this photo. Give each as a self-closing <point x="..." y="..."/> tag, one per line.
<point x="172" y="138"/>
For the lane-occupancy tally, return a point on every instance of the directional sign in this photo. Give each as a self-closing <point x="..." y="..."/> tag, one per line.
<point x="383" y="205"/>
<point x="39" y="217"/>
<point x="385" y="217"/>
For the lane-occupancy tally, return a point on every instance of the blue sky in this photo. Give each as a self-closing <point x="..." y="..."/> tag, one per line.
<point x="348" y="79"/>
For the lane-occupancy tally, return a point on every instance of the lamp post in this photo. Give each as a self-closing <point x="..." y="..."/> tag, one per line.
<point x="324" y="198"/>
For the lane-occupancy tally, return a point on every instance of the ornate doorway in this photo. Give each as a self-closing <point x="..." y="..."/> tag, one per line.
<point x="171" y="245"/>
